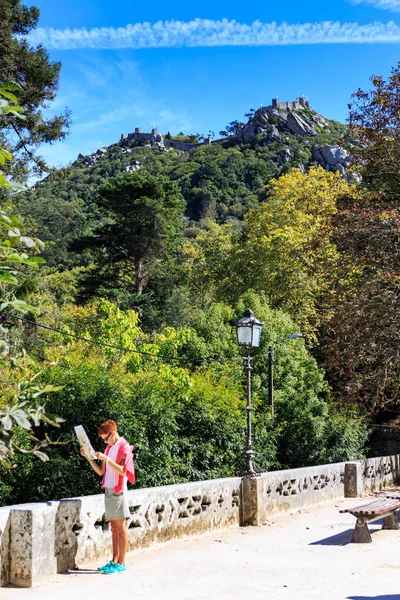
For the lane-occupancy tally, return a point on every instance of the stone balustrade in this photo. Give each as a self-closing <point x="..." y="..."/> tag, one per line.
<point x="40" y="539"/>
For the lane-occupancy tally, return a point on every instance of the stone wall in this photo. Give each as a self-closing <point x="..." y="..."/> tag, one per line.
<point x="185" y="146"/>
<point x="40" y="539"/>
<point x="280" y="491"/>
<point x="157" y="515"/>
<point x="378" y="473"/>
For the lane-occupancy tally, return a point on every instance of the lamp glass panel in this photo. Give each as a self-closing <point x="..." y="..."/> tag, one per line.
<point x="256" y="335"/>
<point x="244" y="335"/>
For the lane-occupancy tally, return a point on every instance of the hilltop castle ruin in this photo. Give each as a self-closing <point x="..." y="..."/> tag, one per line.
<point x="260" y="123"/>
<point x="156" y="138"/>
<point x="297" y="104"/>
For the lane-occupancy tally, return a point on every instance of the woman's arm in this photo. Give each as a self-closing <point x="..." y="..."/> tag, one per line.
<point x="120" y="469"/>
<point x="98" y="468"/>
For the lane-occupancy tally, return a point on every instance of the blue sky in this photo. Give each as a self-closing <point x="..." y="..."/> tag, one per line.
<point x="194" y="67"/>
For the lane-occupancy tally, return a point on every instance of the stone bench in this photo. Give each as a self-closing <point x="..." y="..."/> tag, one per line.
<point x="377" y="509"/>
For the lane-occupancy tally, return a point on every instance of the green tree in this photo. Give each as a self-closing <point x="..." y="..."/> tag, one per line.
<point x="20" y="404"/>
<point x="182" y="402"/>
<point x="20" y="409"/>
<point x="144" y="223"/>
<point x="208" y="263"/>
<point x="38" y="77"/>
<point x="289" y="253"/>
<point x="308" y="428"/>
<point x="234" y="127"/>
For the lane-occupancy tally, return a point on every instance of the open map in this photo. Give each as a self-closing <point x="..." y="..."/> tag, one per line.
<point x="85" y="442"/>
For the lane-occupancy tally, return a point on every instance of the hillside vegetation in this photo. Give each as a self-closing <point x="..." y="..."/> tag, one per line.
<point x="154" y="247"/>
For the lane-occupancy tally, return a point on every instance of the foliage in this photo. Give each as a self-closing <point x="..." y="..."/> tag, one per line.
<point x="187" y="139"/>
<point x="360" y="339"/>
<point x="8" y="106"/>
<point x="289" y="252"/>
<point x="208" y="263"/>
<point x="25" y="409"/>
<point x="308" y="427"/>
<point x="37" y="77"/>
<point x="361" y="335"/>
<point x="15" y="263"/>
<point x="232" y="128"/>
<point x="374" y="120"/>
<point x="21" y="409"/>
<point x="217" y="182"/>
<point x="143" y="216"/>
<point x="181" y="402"/>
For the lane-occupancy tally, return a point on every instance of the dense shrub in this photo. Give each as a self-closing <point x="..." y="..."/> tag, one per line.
<point x="184" y="407"/>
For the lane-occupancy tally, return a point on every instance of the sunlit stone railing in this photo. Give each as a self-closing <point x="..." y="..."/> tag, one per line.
<point x="279" y="491"/>
<point x="40" y="539"/>
<point x="157" y="514"/>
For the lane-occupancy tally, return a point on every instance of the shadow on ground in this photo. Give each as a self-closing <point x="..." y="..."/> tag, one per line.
<point x="344" y="538"/>
<point x="81" y="572"/>
<point x="384" y="597"/>
<point x="340" y="539"/>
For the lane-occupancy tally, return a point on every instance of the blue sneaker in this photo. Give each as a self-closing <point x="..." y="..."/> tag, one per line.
<point x="119" y="568"/>
<point x="114" y="568"/>
<point x="106" y="566"/>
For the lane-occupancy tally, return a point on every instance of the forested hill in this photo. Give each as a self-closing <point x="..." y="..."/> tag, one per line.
<point x="219" y="179"/>
<point x="154" y="248"/>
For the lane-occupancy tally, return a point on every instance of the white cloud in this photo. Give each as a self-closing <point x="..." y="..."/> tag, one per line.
<point x="204" y="32"/>
<point x="392" y="5"/>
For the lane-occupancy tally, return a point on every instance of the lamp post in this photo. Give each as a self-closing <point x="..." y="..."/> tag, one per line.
<point x="292" y="336"/>
<point x="248" y="331"/>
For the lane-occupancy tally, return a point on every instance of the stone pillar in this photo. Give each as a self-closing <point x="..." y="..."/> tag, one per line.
<point x="32" y="544"/>
<point x="353" y="481"/>
<point x="254" y="501"/>
<point x="4" y="546"/>
<point x="67" y="527"/>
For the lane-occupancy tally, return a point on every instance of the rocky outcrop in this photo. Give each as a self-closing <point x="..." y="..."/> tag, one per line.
<point x="332" y="158"/>
<point x="299" y="126"/>
<point x="134" y="166"/>
<point x="284" y="156"/>
<point x="249" y="131"/>
<point x="92" y="158"/>
<point x="333" y="155"/>
<point x="295" y="118"/>
<point x="274" y="135"/>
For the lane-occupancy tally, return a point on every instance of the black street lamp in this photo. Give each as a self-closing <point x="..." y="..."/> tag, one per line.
<point x="248" y="331"/>
<point x="292" y="336"/>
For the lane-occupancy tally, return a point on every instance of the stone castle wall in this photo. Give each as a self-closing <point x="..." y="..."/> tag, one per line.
<point x="297" y="104"/>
